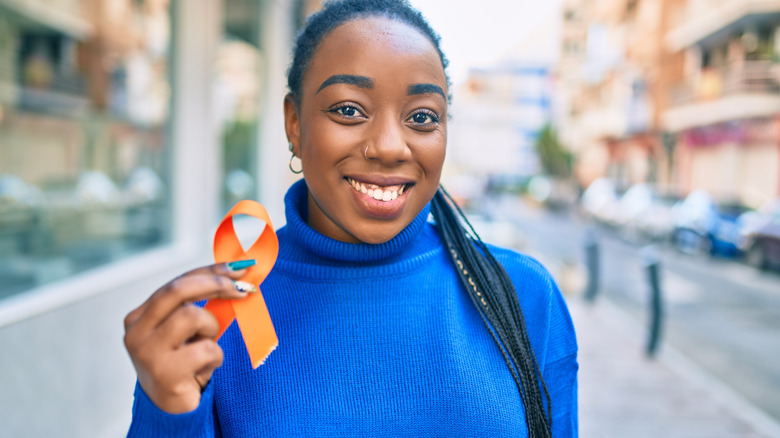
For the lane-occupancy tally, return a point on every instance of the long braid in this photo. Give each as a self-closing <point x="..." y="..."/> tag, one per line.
<point x="494" y="294"/>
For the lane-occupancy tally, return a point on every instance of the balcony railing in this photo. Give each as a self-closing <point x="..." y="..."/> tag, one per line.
<point x="746" y="77"/>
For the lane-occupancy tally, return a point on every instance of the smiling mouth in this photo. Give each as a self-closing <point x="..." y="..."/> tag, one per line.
<point x="380" y="193"/>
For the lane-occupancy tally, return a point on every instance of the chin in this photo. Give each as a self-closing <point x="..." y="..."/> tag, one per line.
<point x="377" y="237"/>
<point x="377" y="241"/>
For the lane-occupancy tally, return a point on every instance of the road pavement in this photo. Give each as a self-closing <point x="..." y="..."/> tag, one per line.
<point x="721" y="321"/>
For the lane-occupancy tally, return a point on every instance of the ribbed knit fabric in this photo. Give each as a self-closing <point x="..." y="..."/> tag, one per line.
<point x="378" y="340"/>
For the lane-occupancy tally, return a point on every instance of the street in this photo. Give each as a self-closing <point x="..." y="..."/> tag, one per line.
<point x="720" y="314"/>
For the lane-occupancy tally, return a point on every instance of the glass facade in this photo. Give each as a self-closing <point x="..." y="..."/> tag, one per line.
<point x="237" y="98"/>
<point x="84" y="114"/>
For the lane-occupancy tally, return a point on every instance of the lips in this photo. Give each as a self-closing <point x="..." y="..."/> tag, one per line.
<point x="379" y="197"/>
<point x="384" y="193"/>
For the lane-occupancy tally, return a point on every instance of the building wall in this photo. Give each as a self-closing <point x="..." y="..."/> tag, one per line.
<point x="612" y="120"/>
<point x="732" y="171"/>
<point x="65" y="371"/>
<point x="63" y="367"/>
<point x="724" y="107"/>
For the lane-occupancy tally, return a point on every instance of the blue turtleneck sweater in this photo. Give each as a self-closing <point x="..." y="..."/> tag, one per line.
<point x="378" y="340"/>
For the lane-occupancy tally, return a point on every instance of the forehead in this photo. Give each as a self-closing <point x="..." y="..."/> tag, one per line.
<point x="372" y="45"/>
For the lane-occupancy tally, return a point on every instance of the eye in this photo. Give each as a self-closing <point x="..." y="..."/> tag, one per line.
<point x="346" y="110"/>
<point x="424" y="119"/>
<point x="421" y="118"/>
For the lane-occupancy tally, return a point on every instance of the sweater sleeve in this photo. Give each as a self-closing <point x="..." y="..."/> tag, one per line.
<point x="150" y="421"/>
<point x="560" y="369"/>
<point x="561" y="379"/>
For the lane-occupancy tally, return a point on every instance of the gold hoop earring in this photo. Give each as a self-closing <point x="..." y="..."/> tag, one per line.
<point x="291" y="166"/>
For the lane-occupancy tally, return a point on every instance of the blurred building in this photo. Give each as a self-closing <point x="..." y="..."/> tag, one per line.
<point x="499" y="112"/>
<point x="611" y="77"/>
<point x="725" y="112"/>
<point x="126" y="128"/>
<point x="680" y="93"/>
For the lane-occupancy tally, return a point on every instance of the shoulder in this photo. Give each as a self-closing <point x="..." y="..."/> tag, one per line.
<point x="544" y="307"/>
<point x="524" y="269"/>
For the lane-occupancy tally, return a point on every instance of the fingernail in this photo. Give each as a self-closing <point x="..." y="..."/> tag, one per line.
<point x="239" y="265"/>
<point x="243" y="286"/>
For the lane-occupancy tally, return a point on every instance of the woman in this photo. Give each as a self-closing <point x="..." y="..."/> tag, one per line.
<point x="388" y="325"/>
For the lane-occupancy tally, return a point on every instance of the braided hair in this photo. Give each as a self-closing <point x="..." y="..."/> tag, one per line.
<point x="483" y="277"/>
<point x="494" y="294"/>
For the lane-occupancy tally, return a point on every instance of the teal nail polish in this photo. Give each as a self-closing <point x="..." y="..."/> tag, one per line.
<point x="239" y="265"/>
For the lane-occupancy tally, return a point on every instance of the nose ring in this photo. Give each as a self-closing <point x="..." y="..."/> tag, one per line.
<point x="365" y="152"/>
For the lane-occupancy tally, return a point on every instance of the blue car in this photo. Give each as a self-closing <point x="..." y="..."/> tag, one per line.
<point x="701" y="226"/>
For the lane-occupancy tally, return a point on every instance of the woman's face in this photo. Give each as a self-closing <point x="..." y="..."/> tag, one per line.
<point x="370" y="130"/>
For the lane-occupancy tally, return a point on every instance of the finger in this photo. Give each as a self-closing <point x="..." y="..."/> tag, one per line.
<point x="203" y="379"/>
<point x="132" y="317"/>
<point x="223" y="269"/>
<point x="202" y="357"/>
<point x="186" y="323"/>
<point x="235" y="272"/>
<point x="186" y="290"/>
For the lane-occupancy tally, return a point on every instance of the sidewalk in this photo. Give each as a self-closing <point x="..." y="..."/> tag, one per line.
<point x="623" y="394"/>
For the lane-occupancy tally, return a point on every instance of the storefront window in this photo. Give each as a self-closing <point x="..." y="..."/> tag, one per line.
<point x="237" y="100"/>
<point x="84" y="157"/>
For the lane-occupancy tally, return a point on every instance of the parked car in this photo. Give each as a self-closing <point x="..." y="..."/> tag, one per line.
<point x="643" y="214"/>
<point x="600" y="201"/>
<point x="701" y="226"/>
<point x="634" y="202"/>
<point x="761" y="236"/>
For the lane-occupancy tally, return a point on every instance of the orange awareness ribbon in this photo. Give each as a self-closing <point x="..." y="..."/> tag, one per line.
<point x="251" y="312"/>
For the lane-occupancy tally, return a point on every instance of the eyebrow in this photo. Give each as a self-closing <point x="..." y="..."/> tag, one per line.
<point x="358" y="81"/>
<point x="425" y="88"/>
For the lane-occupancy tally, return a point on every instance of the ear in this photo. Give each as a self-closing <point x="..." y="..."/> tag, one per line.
<point x="292" y="123"/>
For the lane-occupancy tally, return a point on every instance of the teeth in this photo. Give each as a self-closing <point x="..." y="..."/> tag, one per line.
<point x="376" y="192"/>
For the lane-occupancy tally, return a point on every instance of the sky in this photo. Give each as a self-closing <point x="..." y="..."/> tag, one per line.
<point x="479" y="32"/>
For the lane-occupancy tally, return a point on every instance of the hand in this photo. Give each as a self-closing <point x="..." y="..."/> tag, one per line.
<point x="171" y="341"/>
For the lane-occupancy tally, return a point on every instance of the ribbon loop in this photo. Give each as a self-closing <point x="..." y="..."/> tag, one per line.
<point x="251" y="312"/>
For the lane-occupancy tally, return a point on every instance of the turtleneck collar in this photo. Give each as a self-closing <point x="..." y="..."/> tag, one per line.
<point x="296" y="211"/>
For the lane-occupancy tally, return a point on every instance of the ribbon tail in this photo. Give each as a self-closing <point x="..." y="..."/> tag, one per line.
<point x="223" y="311"/>
<point x="256" y="327"/>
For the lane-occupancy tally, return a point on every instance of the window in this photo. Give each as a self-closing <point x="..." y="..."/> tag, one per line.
<point x="84" y="159"/>
<point x="237" y="99"/>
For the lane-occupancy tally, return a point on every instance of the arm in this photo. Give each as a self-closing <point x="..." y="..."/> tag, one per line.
<point x="560" y="370"/>
<point x="561" y="379"/>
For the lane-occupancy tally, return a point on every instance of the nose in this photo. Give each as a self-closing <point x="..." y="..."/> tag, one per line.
<point x="386" y="142"/>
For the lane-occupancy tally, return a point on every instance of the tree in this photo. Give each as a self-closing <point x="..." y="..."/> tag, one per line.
<point x="555" y="160"/>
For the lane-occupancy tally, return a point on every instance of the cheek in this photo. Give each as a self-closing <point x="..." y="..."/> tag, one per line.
<point x="432" y="153"/>
<point x="323" y="143"/>
<point x="430" y="156"/>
